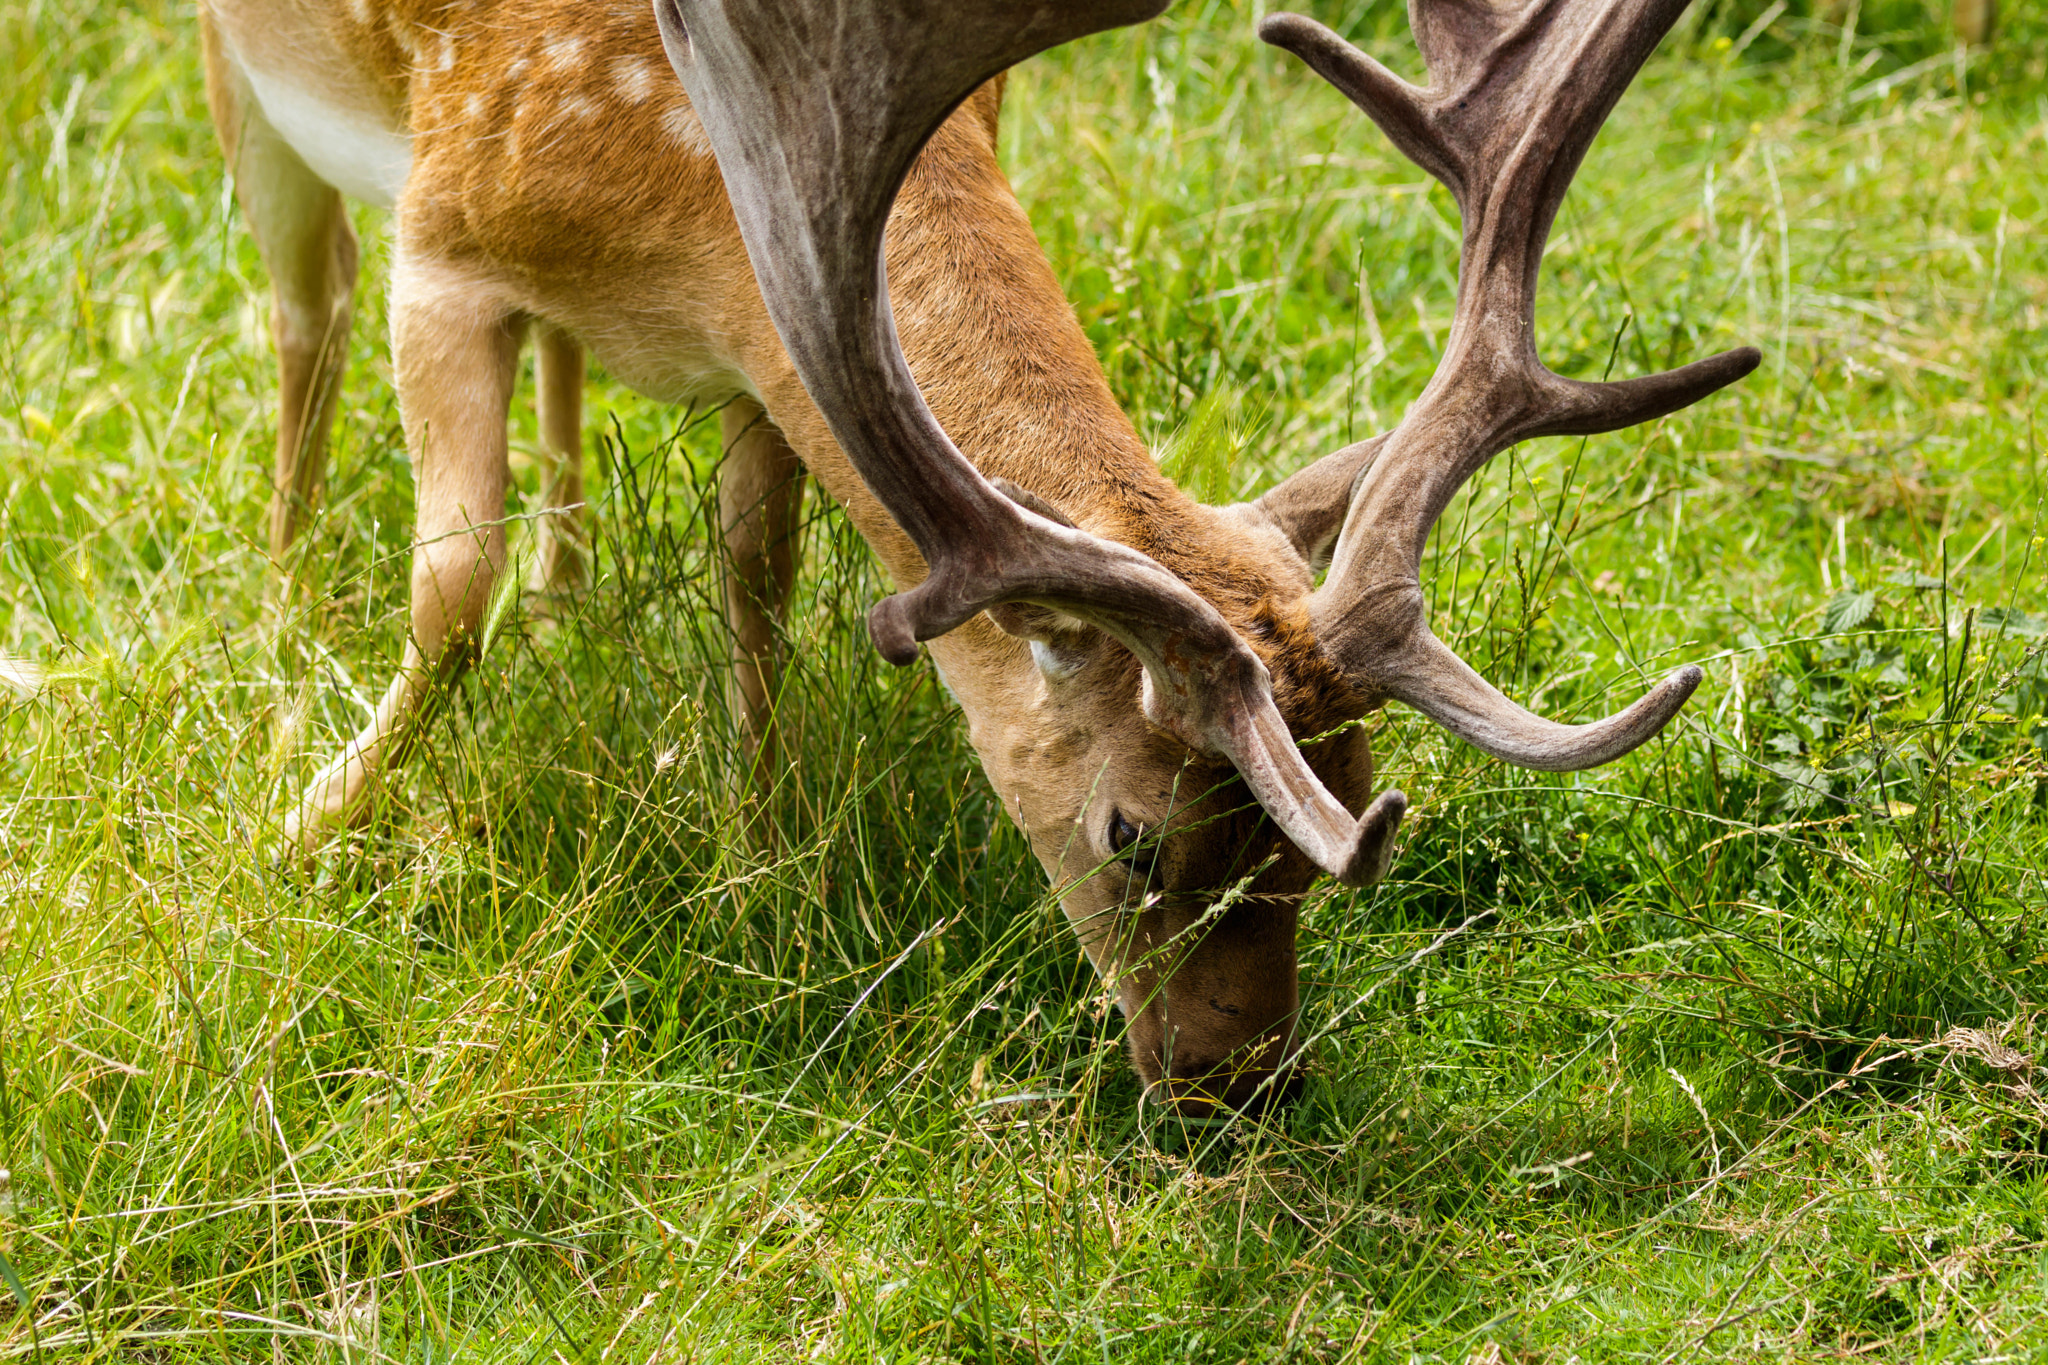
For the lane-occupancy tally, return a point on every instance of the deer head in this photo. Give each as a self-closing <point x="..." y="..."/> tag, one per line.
<point x="1188" y="688"/>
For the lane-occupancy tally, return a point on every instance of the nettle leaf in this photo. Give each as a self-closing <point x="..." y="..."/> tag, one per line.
<point x="1801" y="787"/>
<point x="1848" y="610"/>
<point x="2013" y="621"/>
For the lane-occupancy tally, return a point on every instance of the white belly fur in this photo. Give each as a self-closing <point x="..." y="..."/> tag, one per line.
<point x="348" y="148"/>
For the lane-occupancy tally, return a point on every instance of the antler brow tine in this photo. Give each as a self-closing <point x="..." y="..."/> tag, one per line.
<point x="1516" y="95"/>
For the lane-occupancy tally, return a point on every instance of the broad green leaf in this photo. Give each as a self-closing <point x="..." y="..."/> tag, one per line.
<point x="1848" y="610"/>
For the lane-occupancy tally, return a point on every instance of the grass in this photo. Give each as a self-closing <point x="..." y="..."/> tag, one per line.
<point x="1728" y="1050"/>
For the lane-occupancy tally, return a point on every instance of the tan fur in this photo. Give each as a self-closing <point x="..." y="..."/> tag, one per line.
<point x="310" y="250"/>
<point x="760" y="497"/>
<point x="558" y="175"/>
<point x="559" y="564"/>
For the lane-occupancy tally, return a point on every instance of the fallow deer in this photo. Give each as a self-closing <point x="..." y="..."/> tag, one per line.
<point x="1131" y="664"/>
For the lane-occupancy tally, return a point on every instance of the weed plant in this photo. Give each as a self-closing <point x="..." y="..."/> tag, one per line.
<point x="1727" y="1050"/>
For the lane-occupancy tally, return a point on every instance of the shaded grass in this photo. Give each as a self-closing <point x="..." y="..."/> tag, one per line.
<point x="1726" y="1049"/>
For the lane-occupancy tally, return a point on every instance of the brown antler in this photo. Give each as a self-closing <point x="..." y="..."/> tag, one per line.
<point x="816" y="110"/>
<point x="1517" y="92"/>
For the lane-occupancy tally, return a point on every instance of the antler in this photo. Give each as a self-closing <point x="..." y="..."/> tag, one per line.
<point x="1517" y="92"/>
<point x="816" y="110"/>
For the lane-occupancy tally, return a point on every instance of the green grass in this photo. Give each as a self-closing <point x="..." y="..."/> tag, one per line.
<point x="1727" y="1050"/>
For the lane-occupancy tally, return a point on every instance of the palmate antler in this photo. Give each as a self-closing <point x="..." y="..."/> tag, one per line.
<point x="816" y="110"/>
<point x="1517" y="93"/>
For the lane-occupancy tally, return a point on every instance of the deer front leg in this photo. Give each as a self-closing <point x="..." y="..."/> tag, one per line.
<point x="303" y="234"/>
<point x="760" y="501"/>
<point x="457" y="358"/>
<point x="562" y="560"/>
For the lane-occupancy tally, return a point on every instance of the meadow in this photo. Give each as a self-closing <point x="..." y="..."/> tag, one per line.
<point x="1726" y="1051"/>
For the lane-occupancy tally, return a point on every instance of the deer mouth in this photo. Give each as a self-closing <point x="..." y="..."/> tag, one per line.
<point x="1223" y="1091"/>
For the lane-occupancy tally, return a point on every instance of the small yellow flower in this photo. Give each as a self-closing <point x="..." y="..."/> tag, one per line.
<point x="1723" y="43"/>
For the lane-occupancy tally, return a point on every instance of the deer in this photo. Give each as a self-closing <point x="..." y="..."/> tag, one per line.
<point x="795" y="207"/>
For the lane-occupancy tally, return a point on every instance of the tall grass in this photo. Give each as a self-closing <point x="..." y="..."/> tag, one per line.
<point x="1728" y="1049"/>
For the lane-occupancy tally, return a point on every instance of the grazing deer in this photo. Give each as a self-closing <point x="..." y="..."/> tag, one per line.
<point x="1132" y="665"/>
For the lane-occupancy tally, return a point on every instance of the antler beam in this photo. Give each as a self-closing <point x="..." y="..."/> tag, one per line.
<point x="816" y="111"/>
<point x="1516" y="95"/>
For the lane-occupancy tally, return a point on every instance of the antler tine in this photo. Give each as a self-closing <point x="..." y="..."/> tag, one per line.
<point x="1516" y="95"/>
<point x="816" y="110"/>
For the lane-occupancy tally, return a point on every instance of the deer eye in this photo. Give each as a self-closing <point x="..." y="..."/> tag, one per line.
<point x="1123" y="841"/>
<point x="1122" y="833"/>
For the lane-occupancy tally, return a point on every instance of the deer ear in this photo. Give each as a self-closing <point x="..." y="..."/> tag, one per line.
<point x="1060" y="645"/>
<point x="1308" y="507"/>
